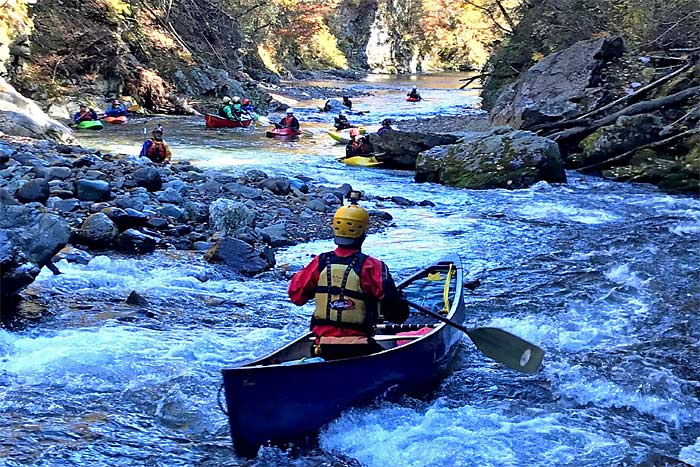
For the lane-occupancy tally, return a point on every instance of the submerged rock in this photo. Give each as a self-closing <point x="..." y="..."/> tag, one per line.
<point x="240" y="256"/>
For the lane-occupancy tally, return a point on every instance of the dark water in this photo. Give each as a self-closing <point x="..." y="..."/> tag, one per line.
<point x="604" y="276"/>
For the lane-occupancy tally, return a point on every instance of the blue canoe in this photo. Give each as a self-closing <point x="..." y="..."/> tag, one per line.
<point x="272" y="401"/>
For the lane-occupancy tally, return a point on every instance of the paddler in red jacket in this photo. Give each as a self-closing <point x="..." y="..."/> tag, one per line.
<point x="348" y="287"/>
<point x="290" y="121"/>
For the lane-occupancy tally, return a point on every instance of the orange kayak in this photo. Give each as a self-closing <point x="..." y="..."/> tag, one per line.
<point x="116" y="120"/>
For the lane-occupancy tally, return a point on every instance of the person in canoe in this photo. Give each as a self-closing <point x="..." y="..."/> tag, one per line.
<point x="358" y="145"/>
<point x="228" y="109"/>
<point x="386" y="126"/>
<point x="290" y="121"/>
<point x="348" y="286"/>
<point x="236" y="107"/>
<point x="247" y="106"/>
<point x="155" y="148"/>
<point x="85" y="114"/>
<point x="414" y="94"/>
<point x="116" y="109"/>
<point x="347" y="102"/>
<point x="341" y="122"/>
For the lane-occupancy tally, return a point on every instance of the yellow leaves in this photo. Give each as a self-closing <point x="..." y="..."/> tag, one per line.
<point x="537" y="56"/>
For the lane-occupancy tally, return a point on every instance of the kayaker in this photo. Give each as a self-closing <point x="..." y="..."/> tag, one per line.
<point x="116" y="109"/>
<point x="155" y="148"/>
<point x="247" y="106"/>
<point x="85" y="114"/>
<point x="358" y="145"/>
<point x="341" y="122"/>
<point x="414" y="94"/>
<point x="225" y="110"/>
<point x="347" y="102"/>
<point x="290" y="121"/>
<point x="347" y="307"/>
<point x="386" y="126"/>
<point x="236" y="108"/>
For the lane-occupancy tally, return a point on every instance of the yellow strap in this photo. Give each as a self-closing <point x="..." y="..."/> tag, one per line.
<point x="446" y="290"/>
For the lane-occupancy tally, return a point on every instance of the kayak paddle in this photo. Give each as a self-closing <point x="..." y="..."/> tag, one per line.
<point x="506" y="348"/>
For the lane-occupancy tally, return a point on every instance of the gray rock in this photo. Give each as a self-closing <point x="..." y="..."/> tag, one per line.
<point x="498" y="159"/>
<point x="198" y="212"/>
<point x="28" y="240"/>
<point x="171" y="211"/>
<point x="317" y="205"/>
<point x="34" y="190"/>
<point x="331" y="199"/>
<point x="98" y="230"/>
<point x="277" y="185"/>
<point x="243" y="191"/>
<point x="559" y="86"/>
<point x="202" y="246"/>
<point x="133" y="241"/>
<point x="92" y="190"/>
<point x="401" y="148"/>
<point x="169" y="195"/>
<point x="148" y="178"/>
<point x="7" y="198"/>
<point x="278" y="235"/>
<point x="158" y="223"/>
<point x="64" y="205"/>
<point x="229" y="216"/>
<point x="240" y="256"/>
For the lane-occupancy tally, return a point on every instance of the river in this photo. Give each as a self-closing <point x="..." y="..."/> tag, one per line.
<point x="604" y="276"/>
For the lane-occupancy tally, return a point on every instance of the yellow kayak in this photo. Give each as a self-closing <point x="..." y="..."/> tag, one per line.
<point x="360" y="161"/>
<point x="343" y="136"/>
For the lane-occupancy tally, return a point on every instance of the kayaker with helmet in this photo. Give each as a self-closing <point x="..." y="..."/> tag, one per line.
<point x="116" y="109"/>
<point x="347" y="102"/>
<point x="227" y="109"/>
<point x="386" y="126"/>
<point x="85" y="114"/>
<point x="247" y="106"/>
<point x="414" y="94"/>
<point x="290" y="121"/>
<point x="342" y="122"/>
<point x="155" y="148"/>
<point x="358" y="145"/>
<point x="348" y="286"/>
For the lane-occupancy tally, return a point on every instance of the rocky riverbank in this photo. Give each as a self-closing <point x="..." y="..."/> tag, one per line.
<point x="61" y="200"/>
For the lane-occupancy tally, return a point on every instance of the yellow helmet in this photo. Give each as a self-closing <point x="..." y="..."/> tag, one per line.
<point x="349" y="224"/>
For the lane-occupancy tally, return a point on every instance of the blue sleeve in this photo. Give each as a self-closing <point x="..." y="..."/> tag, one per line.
<point x="76" y="117"/>
<point x="144" y="149"/>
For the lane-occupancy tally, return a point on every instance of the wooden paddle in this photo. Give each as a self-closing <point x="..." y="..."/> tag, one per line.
<point x="506" y="348"/>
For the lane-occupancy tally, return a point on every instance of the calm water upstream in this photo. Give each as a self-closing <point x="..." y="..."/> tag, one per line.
<point x="604" y="276"/>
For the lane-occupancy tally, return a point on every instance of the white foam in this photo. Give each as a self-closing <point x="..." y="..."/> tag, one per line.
<point x="691" y="454"/>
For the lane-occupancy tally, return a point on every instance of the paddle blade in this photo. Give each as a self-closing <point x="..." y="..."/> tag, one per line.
<point x="264" y="120"/>
<point x="508" y="349"/>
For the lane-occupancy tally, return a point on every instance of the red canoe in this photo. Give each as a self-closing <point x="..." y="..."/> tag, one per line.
<point x="282" y="132"/>
<point x="116" y="120"/>
<point x="212" y="121"/>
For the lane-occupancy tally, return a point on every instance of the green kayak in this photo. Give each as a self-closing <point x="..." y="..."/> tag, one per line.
<point x="89" y="125"/>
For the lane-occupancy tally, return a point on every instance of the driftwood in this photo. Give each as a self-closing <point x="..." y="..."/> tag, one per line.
<point x="634" y="109"/>
<point x="630" y="153"/>
<point x="471" y="79"/>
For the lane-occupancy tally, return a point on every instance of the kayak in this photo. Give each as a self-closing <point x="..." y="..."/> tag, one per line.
<point x="291" y="394"/>
<point x="412" y="99"/>
<point x="212" y="121"/>
<point x="116" y="120"/>
<point x="282" y="132"/>
<point x="360" y="161"/>
<point x="89" y="125"/>
<point x="343" y="136"/>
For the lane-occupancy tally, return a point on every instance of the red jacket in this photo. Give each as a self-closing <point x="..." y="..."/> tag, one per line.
<point x="375" y="280"/>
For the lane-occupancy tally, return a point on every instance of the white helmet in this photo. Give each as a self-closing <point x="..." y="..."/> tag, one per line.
<point x="236" y="99"/>
<point x="290" y="110"/>
<point x="227" y="99"/>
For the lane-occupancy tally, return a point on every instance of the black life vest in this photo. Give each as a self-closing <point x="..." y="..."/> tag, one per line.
<point x="157" y="151"/>
<point x="222" y="110"/>
<point x="340" y="300"/>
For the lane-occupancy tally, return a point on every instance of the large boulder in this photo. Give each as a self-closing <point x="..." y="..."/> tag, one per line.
<point x="401" y="148"/>
<point x="502" y="158"/>
<point x="20" y="116"/>
<point x="29" y="239"/>
<point x="559" y="86"/>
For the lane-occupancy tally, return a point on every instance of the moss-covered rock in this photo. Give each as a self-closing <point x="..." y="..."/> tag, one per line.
<point x="502" y="158"/>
